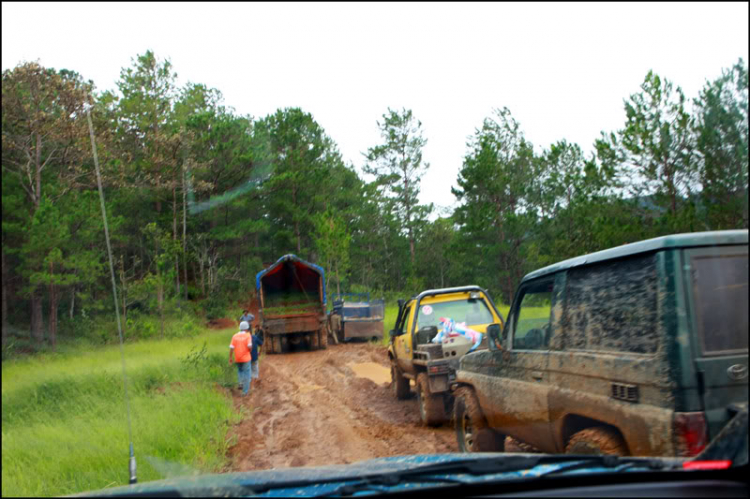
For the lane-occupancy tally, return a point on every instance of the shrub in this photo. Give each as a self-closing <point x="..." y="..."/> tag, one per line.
<point x="214" y="307"/>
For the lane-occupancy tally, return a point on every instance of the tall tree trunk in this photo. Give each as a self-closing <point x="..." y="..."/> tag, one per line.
<point x="5" y="298"/>
<point x="53" y="299"/>
<point x="124" y="311"/>
<point x="184" y="233"/>
<point x="174" y="237"/>
<point x="160" y="299"/>
<point x="407" y="205"/>
<point x="411" y="245"/>
<point x="195" y="270"/>
<point x="296" y="222"/>
<point x="338" y="279"/>
<point x="203" y="276"/>
<point x="158" y="201"/>
<point x="159" y="290"/>
<point x="141" y="251"/>
<point x="124" y="294"/>
<point x="385" y="266"/>
<point x="72" y="301"/>
<point x="37" y="319"/>
<point x="38" y="172"/>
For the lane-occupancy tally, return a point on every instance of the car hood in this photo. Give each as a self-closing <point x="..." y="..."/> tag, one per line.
<point x="242" y="483"/>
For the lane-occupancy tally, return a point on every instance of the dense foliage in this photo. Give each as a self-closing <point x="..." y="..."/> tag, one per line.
<point x="200" y="198"/>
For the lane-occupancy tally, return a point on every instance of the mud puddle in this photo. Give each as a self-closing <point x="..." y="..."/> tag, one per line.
<point x="377" y="373"/>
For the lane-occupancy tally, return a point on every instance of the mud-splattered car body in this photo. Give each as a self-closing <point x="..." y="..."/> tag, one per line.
<point x="414" y="357"/>
<point x="646" y="343"/>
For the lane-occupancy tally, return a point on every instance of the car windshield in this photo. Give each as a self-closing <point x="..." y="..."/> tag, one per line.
<point x="470" y="312"/>
<point x="262" y="240"/>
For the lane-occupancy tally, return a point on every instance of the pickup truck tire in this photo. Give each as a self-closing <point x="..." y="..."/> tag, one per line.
<point x="597" y="440"/>
<point x="399" y="384"/>
<point x="431" y="407"/>
<point x="472" y="431"/>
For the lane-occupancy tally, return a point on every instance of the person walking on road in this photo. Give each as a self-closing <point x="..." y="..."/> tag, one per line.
<point x="255" y="358"/>
<point x="241" y="344"/>
<point x="247" y="317"/>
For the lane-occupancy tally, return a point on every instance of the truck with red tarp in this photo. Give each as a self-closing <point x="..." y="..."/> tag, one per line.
<point x="292" y="313"/>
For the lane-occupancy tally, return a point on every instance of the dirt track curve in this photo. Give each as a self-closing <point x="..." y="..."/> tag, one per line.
<point x="312" y="409"/>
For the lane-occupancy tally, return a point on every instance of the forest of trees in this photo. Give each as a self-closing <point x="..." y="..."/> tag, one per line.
<point x="200" y="198"/>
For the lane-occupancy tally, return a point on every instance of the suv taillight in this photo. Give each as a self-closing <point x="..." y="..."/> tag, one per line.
<point x="690" y="432"/>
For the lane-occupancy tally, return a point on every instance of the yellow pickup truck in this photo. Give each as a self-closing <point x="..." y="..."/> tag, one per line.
<point x="432" y="366"/>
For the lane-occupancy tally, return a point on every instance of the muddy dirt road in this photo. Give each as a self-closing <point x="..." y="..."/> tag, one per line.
<point x="319" y="408"/>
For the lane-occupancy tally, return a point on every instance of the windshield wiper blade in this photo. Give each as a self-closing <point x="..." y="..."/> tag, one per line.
<point x="471" y="466"/>
<point x="616" y="463"/>
<point x="427" y="474"/>
<point x="383" y="483"/>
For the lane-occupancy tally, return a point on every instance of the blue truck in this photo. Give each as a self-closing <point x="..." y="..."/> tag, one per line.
<point x="292" y="297"/>
<point x="354" y="315"/>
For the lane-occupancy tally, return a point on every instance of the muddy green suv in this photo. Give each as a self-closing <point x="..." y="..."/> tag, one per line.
<point x="637" y="350"/>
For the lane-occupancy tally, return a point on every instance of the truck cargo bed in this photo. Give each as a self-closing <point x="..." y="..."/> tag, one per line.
<point x="293" y="323"/>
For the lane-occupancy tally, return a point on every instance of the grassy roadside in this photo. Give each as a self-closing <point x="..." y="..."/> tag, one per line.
<point x="64" y="426"/>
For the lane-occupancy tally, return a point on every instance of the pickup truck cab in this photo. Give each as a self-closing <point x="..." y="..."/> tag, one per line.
<point x="432" y="365"/>
<point x="639" y="350"/>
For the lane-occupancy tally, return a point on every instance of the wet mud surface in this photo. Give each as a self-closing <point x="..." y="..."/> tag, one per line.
<point x="313" y="409"/>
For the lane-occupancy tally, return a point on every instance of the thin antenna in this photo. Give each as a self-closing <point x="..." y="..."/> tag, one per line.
<point x="131" y="467"/>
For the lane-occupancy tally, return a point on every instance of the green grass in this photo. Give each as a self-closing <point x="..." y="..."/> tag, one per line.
<point x="64" y="426"/>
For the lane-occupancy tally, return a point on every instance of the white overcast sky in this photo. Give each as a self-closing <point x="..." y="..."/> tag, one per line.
<point x="562" y="69"/>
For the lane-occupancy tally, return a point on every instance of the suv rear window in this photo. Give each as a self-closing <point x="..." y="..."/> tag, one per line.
<point x="611" y="307"/>
<point x="472" y="312"/>
<point x="720" y="291"/>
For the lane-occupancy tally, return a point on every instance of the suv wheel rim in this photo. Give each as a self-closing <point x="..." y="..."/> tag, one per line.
<point x="468" y="432"/>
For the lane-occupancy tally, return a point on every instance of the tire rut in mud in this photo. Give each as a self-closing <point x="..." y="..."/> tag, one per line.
<point x="311" y="410"/>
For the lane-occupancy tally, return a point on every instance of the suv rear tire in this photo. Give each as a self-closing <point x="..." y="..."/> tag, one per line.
<point x="399" y="384"/>
<point x="597" y="440"/>
<point x="472" y="431"/>
<point x="431" y="407"/>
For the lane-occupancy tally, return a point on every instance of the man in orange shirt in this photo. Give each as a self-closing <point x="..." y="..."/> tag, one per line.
<point x="241" y="344"/>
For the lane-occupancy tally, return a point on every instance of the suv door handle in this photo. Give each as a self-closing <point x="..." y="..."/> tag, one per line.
<point x="537" y="375"/>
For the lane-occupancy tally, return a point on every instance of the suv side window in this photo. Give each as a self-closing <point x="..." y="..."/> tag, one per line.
<point x="531" y="326"/>
<point x="401" y="326"/>
<point x="612" y="307"/>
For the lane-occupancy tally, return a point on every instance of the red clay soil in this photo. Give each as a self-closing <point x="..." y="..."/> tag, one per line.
<point x="312" y="410"/>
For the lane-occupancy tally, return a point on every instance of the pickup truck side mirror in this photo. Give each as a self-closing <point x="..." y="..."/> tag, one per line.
<point x="496" y="334"/>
